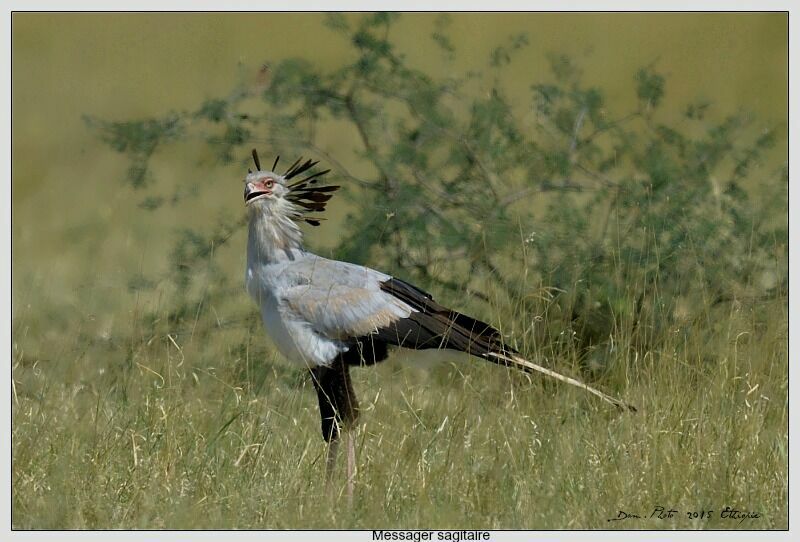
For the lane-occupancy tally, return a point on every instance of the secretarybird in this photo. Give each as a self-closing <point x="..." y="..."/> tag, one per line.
<point x="327" y="315"/>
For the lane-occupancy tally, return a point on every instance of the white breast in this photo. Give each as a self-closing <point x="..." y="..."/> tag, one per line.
<point x="295" y="340"/>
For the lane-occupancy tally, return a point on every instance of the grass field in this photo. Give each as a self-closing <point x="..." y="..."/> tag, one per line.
<point x="192" y="433"/>
<point x="126" y="417"/>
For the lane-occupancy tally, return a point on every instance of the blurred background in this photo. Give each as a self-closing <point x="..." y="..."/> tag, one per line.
<point x="75" y="233"/>
<point x="611" y="189"/>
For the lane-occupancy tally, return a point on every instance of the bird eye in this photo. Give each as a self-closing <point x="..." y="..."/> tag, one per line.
<point x="269" y="183"/>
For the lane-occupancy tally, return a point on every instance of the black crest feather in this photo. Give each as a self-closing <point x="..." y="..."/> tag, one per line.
<point x="304" y="193"/>
<point x="298" y="168"/>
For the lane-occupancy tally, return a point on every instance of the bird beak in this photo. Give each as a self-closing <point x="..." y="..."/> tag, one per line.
<point x="254" y="191"/>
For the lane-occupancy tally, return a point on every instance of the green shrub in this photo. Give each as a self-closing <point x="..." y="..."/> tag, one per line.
<point x="590" y="232"/>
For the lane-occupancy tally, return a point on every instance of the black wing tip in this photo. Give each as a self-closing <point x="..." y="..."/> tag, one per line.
<point x="396" y="284"/>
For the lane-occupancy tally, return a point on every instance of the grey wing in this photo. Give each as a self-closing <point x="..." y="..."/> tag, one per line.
<point x="339" y="300"/>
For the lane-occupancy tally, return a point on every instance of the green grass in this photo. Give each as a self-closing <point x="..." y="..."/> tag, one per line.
<point x="192" y="432"/>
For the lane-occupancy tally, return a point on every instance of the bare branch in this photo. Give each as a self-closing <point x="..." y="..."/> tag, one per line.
<point x="576" y="131"/>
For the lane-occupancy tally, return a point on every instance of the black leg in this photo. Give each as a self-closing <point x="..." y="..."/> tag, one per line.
<point x="338" y="411"/>
<point x="338" y="407"/>
<point x="366" y="351"/>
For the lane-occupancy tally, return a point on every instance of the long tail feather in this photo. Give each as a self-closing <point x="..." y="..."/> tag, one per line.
<point x="434" y="326"/>
<point x="524" y="363"/>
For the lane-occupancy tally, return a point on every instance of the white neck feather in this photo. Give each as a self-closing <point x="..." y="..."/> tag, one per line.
<point x="272" y="234"/>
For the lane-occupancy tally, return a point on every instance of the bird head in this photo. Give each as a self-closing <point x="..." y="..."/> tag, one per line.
<point x="268" y="191"/>
<point x="261" y="186"/>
